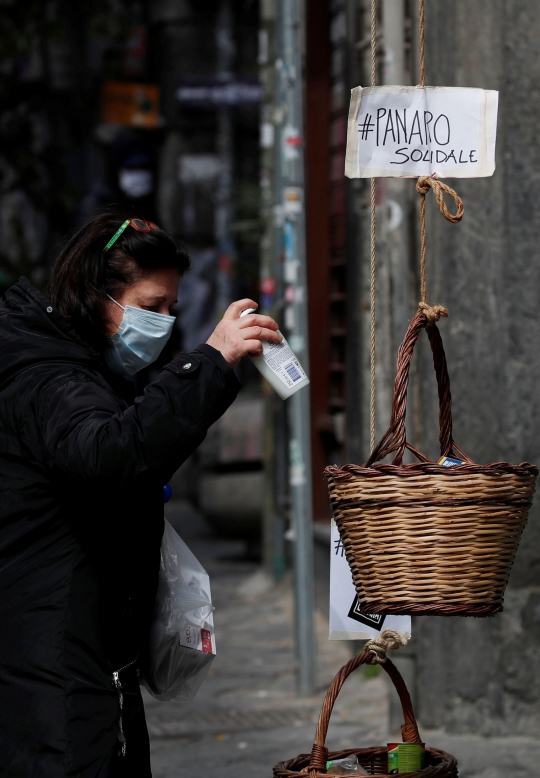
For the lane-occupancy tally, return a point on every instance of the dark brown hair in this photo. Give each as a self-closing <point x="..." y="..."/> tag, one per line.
<point x="83" y="275"/>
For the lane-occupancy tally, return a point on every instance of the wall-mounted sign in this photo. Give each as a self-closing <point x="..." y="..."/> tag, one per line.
<point x="415" y="131"/>
<point x="130" y="104"/>
<point x="211" y="93"/>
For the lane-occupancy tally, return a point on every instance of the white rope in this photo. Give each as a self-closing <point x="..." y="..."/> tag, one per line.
<point x="388" y="640"/>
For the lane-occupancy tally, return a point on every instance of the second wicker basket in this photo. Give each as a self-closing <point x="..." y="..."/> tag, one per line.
<point x="373" y="760"/>
<point x="424" y="538"/>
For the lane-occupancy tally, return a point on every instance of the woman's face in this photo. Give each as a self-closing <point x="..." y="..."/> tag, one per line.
<point x="157" y="291"/>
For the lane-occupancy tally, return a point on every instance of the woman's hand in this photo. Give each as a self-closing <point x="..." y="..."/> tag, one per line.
<point x="237" y="337"/>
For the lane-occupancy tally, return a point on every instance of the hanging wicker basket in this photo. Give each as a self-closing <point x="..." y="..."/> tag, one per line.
<point x="425" y="538"/>
<point x="373" y="760"/>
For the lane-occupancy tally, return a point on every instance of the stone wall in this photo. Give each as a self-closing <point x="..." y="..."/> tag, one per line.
<point x="479" y="675"/>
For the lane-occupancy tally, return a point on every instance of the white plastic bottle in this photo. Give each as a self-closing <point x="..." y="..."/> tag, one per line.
<point x="279" y="365"/>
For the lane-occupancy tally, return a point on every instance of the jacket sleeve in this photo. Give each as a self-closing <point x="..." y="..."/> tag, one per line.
<point x="85" y="436"/>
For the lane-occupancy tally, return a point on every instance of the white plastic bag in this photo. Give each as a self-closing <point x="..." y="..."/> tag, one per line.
<point x="182" y="641"/>
<point x="349" y="765"/>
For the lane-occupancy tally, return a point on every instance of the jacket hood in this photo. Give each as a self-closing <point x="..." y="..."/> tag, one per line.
<point x="33" y="331"/>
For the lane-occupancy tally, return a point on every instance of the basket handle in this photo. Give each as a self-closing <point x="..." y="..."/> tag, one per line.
<point x="409" y="730"/>
<point x="395" y="438"/>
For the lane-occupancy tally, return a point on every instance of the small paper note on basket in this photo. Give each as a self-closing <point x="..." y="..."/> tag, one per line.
<point x="346" y="621"/>
<point x="397" y="131"/>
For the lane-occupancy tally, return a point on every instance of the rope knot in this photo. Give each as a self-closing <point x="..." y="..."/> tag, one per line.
<point x="388" y="640"/>
<point x="425" y="183"/>
<point x="422" y="187"/>
<point x="434" y="313"/>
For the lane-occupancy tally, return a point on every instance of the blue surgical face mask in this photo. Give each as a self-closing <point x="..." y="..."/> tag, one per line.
<point x="139" y="341"/>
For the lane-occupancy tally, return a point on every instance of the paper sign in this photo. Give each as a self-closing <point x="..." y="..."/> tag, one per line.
<point x="346" y="621"/>
<point x="415" y="131"/>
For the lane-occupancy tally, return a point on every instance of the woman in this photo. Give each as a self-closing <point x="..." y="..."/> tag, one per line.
<point x="82" y="468"/>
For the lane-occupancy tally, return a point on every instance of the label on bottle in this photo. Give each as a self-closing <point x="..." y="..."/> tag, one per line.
<point x="282" y="361"/>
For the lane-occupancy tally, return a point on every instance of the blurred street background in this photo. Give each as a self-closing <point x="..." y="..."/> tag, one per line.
<point x="225" y="122"/>
<point x="248" y="715"/>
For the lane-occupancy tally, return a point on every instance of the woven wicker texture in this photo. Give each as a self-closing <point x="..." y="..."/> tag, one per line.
<point x="374" y="760"/>
<point x="425" y="538"/>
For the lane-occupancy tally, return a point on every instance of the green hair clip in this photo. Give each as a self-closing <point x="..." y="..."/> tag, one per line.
<point x="116" y="235"/>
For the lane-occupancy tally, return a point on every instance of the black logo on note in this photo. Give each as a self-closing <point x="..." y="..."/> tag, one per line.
<point x="374" y="620"/>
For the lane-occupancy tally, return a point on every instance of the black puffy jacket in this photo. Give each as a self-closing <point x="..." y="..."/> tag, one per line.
<point x="82" y="467"/>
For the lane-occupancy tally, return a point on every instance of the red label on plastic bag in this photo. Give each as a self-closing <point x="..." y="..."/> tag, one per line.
<point x="206" y="639"/>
